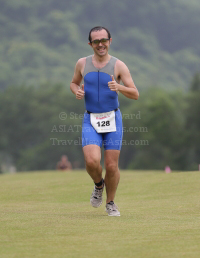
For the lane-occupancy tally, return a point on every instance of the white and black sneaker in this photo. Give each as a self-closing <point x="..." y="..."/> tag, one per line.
<point x="112" y="209"/>
<point x="96" y="198"/>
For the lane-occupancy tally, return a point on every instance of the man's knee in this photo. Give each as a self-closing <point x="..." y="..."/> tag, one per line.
<point x="112" y="168"/>
<point x="92" y="162"/>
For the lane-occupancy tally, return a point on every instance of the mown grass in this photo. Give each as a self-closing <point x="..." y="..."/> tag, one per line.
<point x="48" y="214"/>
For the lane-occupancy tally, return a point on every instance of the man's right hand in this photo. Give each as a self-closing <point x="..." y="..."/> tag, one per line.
<point x="80" y="93"/>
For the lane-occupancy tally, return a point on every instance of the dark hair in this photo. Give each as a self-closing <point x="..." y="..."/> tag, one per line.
<point x="97" y="29"/>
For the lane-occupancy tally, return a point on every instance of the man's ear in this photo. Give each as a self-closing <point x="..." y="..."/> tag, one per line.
<point x="90" y="44"/>
<point x="110" y="40"/>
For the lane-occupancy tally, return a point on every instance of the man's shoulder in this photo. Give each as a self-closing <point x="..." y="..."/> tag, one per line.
<point x="81" y="63"/>
<point x="82" y="60"/>
<point x="120" y="68"/>
<point x="120" y="64"/>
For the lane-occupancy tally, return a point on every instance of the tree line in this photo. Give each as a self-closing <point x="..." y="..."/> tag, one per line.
<point x="42" y="40"/>
<point x="38" y="124"/>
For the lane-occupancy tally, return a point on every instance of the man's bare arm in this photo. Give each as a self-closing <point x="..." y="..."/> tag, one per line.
<point x="77" y="78"/>
<point x="128" y="89"/>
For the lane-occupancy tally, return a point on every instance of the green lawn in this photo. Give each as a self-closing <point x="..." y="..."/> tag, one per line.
<point x="48" y="214"/>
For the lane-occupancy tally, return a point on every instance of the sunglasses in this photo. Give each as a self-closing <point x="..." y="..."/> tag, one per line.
<point x="97" y="41"/>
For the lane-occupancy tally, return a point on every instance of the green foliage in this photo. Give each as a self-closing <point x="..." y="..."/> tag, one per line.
<point x="40" y="44"/>
<point x="158" y="131"/>
<point x="30" y="118"/>
<point x="193" y="122"/>
<point x="195" y="85"/>
<point x="161" y="128"/>
<point x="42" y="40"/>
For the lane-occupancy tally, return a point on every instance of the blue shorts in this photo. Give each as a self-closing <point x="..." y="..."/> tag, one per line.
<point x="110" y="141"/>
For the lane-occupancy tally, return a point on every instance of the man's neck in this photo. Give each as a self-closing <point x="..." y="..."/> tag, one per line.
<point x="101" y="59"/>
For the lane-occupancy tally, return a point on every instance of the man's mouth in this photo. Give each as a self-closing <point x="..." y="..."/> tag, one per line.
<point x="101" y="49"/>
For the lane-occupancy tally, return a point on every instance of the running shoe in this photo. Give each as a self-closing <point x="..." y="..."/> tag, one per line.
<point x="112" y="209"/>
<point x="96" y="198"/>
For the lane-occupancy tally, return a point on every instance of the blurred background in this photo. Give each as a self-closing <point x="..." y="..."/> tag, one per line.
<point x="40" y="43"/>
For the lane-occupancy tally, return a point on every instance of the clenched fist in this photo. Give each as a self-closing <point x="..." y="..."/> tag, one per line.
<point x="80" y="93"/>
<point x="113" y="85"/>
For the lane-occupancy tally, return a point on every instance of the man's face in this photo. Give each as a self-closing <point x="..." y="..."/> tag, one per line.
<point x="100" y="49"/>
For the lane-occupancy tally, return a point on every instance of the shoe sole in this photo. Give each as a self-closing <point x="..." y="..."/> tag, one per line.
<point x="110" y="215"/>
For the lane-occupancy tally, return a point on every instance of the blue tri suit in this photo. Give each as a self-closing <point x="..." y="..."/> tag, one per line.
<point x="99" y="99"/>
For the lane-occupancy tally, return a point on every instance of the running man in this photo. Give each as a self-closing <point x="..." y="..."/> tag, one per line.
<point x="102" y="122"/>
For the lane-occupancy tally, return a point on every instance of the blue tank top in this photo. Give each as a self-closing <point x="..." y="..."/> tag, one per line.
<point x="98" y="97"/>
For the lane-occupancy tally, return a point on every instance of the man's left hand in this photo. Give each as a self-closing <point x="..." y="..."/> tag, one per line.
<point x="113" y="85"/>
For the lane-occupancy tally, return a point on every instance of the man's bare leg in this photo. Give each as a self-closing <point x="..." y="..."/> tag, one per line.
<point x="92" y="155"/>
<point x="112" y="173"/>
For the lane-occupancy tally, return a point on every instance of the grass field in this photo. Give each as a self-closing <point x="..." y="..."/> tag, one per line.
<point x="49" y="215"/>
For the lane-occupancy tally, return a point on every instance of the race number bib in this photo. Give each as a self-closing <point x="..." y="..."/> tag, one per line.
<point x="103" y="122"/>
